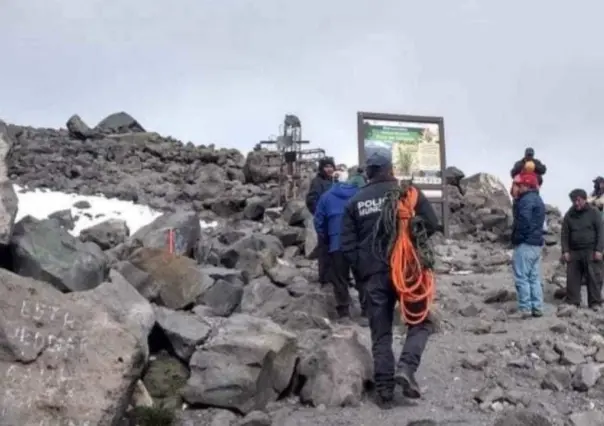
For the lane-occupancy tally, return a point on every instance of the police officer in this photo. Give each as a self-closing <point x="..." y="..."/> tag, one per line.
<point x="358" y="245"/>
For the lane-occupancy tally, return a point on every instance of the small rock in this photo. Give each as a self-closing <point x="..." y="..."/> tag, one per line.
<point x="585" y="377"/>
<point x="255" y="418"/>
<point x="570" y="353"/>
<point x="475" y="362"/>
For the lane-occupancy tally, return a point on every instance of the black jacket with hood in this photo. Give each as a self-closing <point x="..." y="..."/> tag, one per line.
<point x="319" y="185"/>
<point x="540" y="168"/>
<point x="358" y="223"/>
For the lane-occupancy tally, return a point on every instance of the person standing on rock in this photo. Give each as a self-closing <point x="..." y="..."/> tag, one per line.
<point x="582" y="243"/>
<point x="597" y="196"/>
<point x="527" y="238"/>
<point x="320" y="184"/>
<point x="364" y="244"/>
<point x="527" y="164"/>
<point x="538" y="167"/>
<point x="328" y="224"/>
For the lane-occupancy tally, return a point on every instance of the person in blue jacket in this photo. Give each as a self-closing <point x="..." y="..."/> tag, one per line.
<point x="328" y="224"/>
<point x="527" y="238"/>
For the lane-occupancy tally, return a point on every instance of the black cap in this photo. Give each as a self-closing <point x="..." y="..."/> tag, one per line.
<point x="529" y="152"/>
<point x="378" y="160"/>
<point x="598" y="179"/>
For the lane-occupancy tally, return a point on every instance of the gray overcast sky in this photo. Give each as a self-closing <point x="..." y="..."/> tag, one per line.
<point x="505" y="75"/>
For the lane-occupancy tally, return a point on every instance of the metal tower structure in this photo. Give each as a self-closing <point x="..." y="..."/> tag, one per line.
<point x="286" y="151"/>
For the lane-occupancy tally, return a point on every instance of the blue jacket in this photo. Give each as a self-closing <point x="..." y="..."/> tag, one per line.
<point x="529" y="216"/>
<point x="329" y="213"/>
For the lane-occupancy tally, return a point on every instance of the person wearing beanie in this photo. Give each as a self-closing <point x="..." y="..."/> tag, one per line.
<point x="527" y="239"/>
<point x="582" y="243"/>
<point x="366" y="247"/>
<point x="320" y="184"/>
<point x="328" y="224"/>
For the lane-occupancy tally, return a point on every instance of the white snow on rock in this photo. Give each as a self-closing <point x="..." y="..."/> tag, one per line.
<point x="40" y="203"/>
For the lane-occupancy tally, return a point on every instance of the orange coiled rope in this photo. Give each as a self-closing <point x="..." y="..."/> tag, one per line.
<point x="413" y="282"/>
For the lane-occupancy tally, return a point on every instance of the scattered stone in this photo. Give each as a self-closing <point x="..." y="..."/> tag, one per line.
<point x="106" y="234"/>
<point x="570" y="353"/>
<point x="335" y="371"/>
<point x="64" y="218"/>
<point x="475" y="362"/>
<point x="180" y="281"/>
<point x="246" y="364"/>
<point x="255" y="418"/>
<point x="41" y="249"/>
<point x="587" y="418"/>
<point x="557" y="379"/>
<point x="46" y="337"/>
<point x="184" y="331"/>
<point x="585" y="377"/>
<point x="82" y="205"/>
<point x="522" y="418"/>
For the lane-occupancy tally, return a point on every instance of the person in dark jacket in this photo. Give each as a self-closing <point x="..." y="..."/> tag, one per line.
<point x="527" y="238"/>
<point x="358" y="245"/>
<point x="328" y="224"/>
<point x="318" y="186"/>
<point x="529" y="156"/>
<point x="320" y="183"/>
<point x="582" y="243"/>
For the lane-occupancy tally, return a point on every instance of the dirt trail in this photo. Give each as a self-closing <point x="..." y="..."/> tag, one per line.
<point x="480" y="344"/>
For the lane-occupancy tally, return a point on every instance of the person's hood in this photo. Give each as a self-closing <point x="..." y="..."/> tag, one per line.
<point x="344" y="190"/>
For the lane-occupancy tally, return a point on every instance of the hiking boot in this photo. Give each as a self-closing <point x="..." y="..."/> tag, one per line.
<point x="384" y="401"/>
<point x="537" y="313"/>
<point x="595" y="307"/>
<point x="405" y="378"/>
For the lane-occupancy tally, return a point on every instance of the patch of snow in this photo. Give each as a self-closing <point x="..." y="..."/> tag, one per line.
<point x="40" y="203"/>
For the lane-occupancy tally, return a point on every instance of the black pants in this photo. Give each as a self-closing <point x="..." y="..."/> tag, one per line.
<point x="582" y="268"/>
<point x="339" y="276"/>
<point x="381" y="299"/>
<point x="323" y="259"/>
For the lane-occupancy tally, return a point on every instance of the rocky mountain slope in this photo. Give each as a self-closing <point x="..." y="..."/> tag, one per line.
<point x="232" y="328"/>
<point x="118" y="158"/>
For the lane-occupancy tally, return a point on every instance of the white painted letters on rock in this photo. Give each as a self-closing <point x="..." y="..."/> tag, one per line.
<point x="63" y="361"/>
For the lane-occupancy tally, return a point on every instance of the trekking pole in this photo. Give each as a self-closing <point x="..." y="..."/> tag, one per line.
<point x="171" y="240"/>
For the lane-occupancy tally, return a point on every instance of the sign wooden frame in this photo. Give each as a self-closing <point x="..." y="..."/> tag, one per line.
<point x="436" y="192"/>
